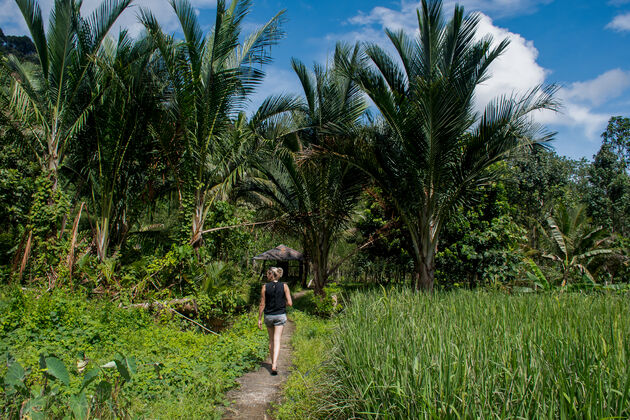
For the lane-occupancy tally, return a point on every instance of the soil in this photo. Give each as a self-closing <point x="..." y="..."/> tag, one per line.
<point x="259" y="389"/>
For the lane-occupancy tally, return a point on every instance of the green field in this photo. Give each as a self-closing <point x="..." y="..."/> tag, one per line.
<point x="400" y="355"/>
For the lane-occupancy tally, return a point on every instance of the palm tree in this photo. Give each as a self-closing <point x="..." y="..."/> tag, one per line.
<point x="311" y="195"/>
<point x="211" y="78"/>
<point x="54" y="102"/>
<point x="429" y="150"/>
<point x="573" y="243"/>
<point x="116" y="150"/>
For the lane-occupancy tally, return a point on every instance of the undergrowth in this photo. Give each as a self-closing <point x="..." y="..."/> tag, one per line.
<point x="180" y="374"/>
<point x="304" y="393"/>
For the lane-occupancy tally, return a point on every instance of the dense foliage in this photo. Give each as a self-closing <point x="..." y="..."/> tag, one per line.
<point x="136" y="186"/>
<point x="176" y="371"/>
<point x="146" y="163"/>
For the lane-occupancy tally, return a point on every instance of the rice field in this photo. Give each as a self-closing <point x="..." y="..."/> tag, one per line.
<point x="400" y="355"/>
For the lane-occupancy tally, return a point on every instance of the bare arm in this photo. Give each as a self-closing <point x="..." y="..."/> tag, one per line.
<point x="287" y="295"/>
<point x="261" y="307"/>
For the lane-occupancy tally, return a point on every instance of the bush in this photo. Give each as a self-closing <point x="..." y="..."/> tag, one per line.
<point x="326" y="306"/>
<point x="178" y="371"/>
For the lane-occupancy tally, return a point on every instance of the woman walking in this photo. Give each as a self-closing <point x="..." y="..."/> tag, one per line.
<point x="274" y="298"/>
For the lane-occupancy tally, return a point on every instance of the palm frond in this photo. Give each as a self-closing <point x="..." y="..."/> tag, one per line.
<point x="32" y="14"/>
<point x="102" y="19"/>
<point x="62" y="54"/>
<point x="189" y="23"/>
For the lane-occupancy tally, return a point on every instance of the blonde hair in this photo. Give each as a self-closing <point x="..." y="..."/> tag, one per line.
<point x="277" y="272"/>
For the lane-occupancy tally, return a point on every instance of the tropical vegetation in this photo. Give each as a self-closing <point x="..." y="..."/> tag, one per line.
<point x="138" y="181"/>
<point x="468" y="354"/>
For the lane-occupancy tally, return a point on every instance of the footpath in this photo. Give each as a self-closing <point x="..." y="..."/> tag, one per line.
<point x="259" y="389"/>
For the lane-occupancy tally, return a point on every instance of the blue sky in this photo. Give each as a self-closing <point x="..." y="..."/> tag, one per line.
<point x="582" y="45"/>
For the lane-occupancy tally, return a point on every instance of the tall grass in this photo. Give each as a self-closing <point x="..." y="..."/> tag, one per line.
<point x="303" y="394"/>
<point x="401" y="355"/>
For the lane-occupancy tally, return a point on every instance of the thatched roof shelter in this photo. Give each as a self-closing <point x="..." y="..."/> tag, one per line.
<point x="280" y="253"/>
<point x="291" y="261"/>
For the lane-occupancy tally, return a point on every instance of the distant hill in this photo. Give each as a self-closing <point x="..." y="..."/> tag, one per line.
<point x="20" y="46"/>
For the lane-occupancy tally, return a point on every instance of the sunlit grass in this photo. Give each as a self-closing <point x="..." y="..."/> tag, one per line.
<point x="482" y="355"/>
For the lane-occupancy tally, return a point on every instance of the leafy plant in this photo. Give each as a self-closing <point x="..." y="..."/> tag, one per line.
<point x="536" y="276"/>
<point x="574" y="245"/>
<point x="177" y="369"/>
<point x="38" y="398"/>
<point x="429" y="151"/>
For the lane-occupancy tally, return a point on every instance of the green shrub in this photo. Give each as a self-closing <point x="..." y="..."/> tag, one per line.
<point x="328" y="305"/>
<point x="36" y="394"/>
<point x="177" y="371"/>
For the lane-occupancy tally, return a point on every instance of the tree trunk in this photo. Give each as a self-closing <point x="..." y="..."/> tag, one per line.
<point x="565" y="278"/>
<point x="424" y="274"/>
<point x="102" y="238"/>
<point x="319" y="278"/>
<point x="319" y="262"/>
<point x="424" y="267"/>
<point x="196" y="239"/>
<point x="51" y="165"/>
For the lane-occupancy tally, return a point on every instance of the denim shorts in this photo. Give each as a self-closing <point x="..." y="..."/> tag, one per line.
<point x="275" y="320"/>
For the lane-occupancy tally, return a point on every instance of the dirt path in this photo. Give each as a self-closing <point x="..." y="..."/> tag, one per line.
<point x="259" y="389"/>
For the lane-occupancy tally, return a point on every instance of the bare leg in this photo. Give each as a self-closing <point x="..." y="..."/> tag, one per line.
<point x="270" y="332"/>
<point x="277" y="335"/>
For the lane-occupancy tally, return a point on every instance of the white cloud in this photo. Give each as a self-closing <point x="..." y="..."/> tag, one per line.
<point x="607" y="86"/>
<point x="620" y="23"/>
<point x="500" y="8"/>
<point x="12" y="22"/>
<point x="387" y="18"/>
<point x="583" y="102"/>
<point x="407" y="14"/>
<point x="516" y="71"/>
<point x="576" y="115"/>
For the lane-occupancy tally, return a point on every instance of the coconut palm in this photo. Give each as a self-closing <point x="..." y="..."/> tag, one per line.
<point x="430" y="151"/>
<point x="312" y="196"/>
<point x="211" y="79"/>
<point x="574" y="243"/>
<point x="54" y="101"/>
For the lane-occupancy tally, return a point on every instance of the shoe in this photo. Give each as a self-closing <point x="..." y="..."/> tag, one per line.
<point x="274" y="372"/>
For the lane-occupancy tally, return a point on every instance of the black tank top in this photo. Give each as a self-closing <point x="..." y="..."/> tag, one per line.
<point x="275" y="300"/>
